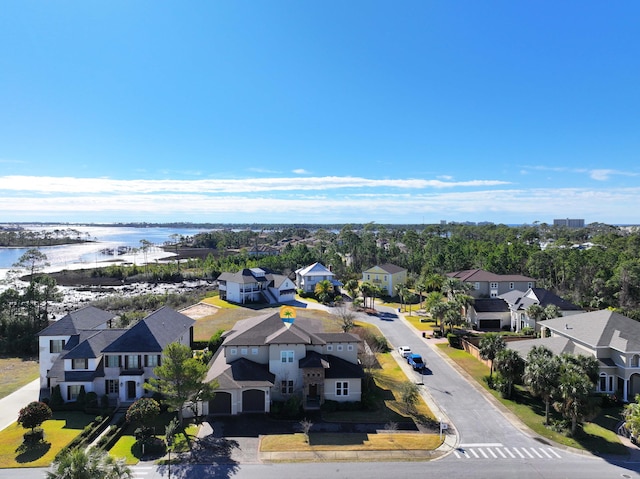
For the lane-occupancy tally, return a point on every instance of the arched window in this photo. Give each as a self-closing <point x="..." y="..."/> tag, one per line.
<point x="635" y="361"/>
<point x="602" y="386"/>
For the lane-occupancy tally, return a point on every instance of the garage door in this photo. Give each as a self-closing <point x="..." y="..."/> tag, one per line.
<point x="253" y="400"/>
<point x="489" y="324"/>
<point x="220" y="404"/>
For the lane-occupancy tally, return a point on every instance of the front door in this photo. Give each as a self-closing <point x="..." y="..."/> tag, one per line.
<point x="131" y="389"/>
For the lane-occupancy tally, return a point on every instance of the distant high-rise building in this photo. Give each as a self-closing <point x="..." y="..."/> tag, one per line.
<point x="569" y="223"/>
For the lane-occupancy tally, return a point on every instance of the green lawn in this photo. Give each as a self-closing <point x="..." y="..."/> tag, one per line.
<point x="597" y="436"/>
<point x="15" y="373"/>
<point x="58" y="432"/>
<point x="127" y="447"/>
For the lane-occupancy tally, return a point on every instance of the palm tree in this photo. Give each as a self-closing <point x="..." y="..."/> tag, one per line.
<point x="95" y="464"/>
<point x="402" y="291"/>
<point x="490" y="345"/>
<point x="541" y="375"/>
<point x="573" y="392"/>
<point x="433" y="282"/>
<point x="510" y="366"/>
<point x="352" y="288"/>
<point x="438" y="311"/>
<point x="552" y="311"/>
<point x="324" y="290"/>
<point x="421" y="288"/>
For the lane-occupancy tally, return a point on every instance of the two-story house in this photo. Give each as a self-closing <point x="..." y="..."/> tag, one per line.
<point x="613" y="339"/>
<point x="519" y="302"/>
<point x="252" y="285"/>
<point x="82" y="350"/>
<point x="309" y="276"/>
<point x="262" y="359"/>
<point x="490" y="285"/>
<point x="386" y="276"/>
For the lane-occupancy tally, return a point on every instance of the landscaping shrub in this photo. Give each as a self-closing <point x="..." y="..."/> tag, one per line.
<point x="56" y="398"/>
<point x="454" y="340"/>
<point x="34" y="436"/>
<point x="527" y="331"/>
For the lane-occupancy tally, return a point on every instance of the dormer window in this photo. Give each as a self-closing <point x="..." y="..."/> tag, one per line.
<point x="79" y="363"/>
<point x="635" y="361"/>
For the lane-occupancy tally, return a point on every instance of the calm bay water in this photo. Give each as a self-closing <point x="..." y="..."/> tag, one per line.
<point x="88" y="253"/>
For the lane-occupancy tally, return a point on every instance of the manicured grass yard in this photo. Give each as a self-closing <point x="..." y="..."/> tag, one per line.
<point x="597" y="436"/>
<point x="15" y="373"/>
<point x="58" y="431"/>
<point x="350" y="442"/>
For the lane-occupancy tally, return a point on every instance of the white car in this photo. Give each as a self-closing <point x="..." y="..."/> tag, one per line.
<point x="404" y="351"/>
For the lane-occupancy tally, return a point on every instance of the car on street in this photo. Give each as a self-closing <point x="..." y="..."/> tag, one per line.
<point x="416" y="362"/>
<point x="404" y="351"/>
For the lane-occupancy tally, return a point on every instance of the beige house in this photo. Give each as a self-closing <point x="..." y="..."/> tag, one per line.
<point x="490" y="285"/>
<point x="263" y="360"/>
<point x="386" y="276"/>
<point x="610" y="337"/>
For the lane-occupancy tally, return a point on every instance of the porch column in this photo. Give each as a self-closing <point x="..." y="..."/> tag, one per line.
<point x="625" y="387"/>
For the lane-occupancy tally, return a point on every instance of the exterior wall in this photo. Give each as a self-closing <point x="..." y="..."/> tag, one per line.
<point x="288" y="371"/>
<point x="248" y="352"/>
<point x="45" y="357"/>
<point x="355" y="390"/>
<point x="485" y="290"/>
<point x="308" y="282"/>
<point x="475" y="317"/>
<point x="346" y="351"/>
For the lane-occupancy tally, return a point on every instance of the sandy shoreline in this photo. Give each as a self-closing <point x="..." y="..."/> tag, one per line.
<point x="77" y="296"/>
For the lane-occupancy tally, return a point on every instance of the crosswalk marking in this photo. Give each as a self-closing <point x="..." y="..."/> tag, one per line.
<point x="503" y="452"/>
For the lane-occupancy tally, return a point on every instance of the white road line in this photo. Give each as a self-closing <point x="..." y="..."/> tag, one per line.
<point x="552" y="451"/>
<point x="457" y="454"/>
<point x="527" y="452"/>
<point x="482" y="452"/>
<point x="545" y="453"/>
<point x="474" y="453"/>
<point x="509" y="452"/>
<point x="492" y="453"/>
<point x="501" y="453"/>
<point x="481" y="444"/>
<point x="518" y="452"/>
<point x="533" y="449"/>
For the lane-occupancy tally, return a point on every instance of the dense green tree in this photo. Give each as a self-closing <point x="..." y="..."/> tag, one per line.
<point x="34" y="414"/>
<point x="92" y="464"/>
<point x="489" y="346"/>
<point x="180" y="379"/>
<point x="541" y="375"/>
<point x="510" y="366"/>
<point x="324" y="291"/>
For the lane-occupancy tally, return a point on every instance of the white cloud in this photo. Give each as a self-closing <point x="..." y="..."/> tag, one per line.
<point x="300" y="171"/>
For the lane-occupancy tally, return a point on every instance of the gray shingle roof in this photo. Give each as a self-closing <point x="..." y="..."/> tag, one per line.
<point x="473" y="275"/>
<point x="153" y="333"/>
<point x="240" y="373"/>
<point x="93" y="346"/>
<point x="490" y="305"/>
<point x="88" y="317"/>
<point x="389" y="268"/>
<point x="599" y="329"/>
<point x="334" y="367"/>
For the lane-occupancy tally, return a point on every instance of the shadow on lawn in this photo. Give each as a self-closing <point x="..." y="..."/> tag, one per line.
<point x="341" y="439"/>
<point x="27" y="454"/>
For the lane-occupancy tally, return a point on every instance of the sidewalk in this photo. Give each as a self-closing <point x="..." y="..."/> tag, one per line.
<point x="10" y="405"/>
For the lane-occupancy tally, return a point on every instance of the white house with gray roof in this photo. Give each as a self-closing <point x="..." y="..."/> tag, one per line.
<point x="251" y="285"/>
<point x="309" y="276"/>
<point x="613" y="339"/>
<point x="262" y="360"/>
<point x="81" y="349"/>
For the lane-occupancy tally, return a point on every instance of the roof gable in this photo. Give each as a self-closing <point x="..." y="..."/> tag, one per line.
<point x="316" y="269"/>
<point x="85" y="318"/>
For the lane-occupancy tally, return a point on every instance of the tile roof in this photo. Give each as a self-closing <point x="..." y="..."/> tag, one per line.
<point x="480" y="275"/>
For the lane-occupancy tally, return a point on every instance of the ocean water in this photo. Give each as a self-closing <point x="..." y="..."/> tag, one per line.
<point x="103" y="237"/>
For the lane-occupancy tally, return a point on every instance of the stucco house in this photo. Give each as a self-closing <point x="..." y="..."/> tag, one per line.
<point x="519" y="302"/>
<point x="262" y="360"/>
<point x="490" y="285"/>
<point x="386" y="276"/>
<point x="309" y="276"/>
<point x="81" y="349"/>
<point x="610" y="337"/>
<point x="256" y="285"/>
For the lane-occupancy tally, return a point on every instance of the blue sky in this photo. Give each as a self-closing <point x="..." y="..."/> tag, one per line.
<point x="313" y="112"/>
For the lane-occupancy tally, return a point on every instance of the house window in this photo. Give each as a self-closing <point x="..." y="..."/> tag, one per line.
<point x="244" y="351"/>
<point x="477" y="285"/>
<point x="529" y="285"/>
<point x="56" y="345"/>
<point x="113" y="361"/>
<point x="384" y="277"/>
<point x="286" y="387"/>
<point x="342" y="388"/>
<point x="511" y="285"/>
<point x="132" y="361"/>
<point x="254" y="351"/>
<point x="339" y="347"/>
<point x="603" y="383"/>
<point x="153" y="360"/>
<point x="494" y="285"/>
<point x="233" y="351"/>
<point x="286" y="356"/>
<point x="368" y="277"/>
<point x="111" y="386"/>
<point x="350" y="347"/>
<point x="635" y="361"/>
<point x="329" y="347"/>
<point x="79" y="363"/>
<point x="73" y="391"/>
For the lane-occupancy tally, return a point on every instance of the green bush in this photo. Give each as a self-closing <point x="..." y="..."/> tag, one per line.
<point x="34" y="436"/>
<point x="454" y="340"/>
